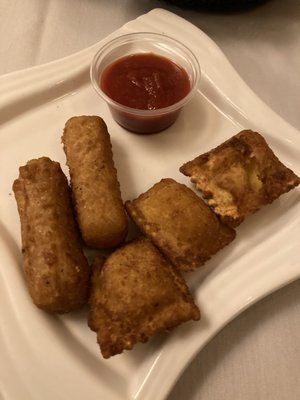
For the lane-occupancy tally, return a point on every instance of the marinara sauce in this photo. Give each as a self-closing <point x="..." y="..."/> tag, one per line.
<point x="145" y="81"/>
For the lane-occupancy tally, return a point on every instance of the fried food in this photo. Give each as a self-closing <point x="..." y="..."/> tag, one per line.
<point x="135" y="294"/>
<point x="96" y="191"/>
<point x="56" y="270"/>
<point x="240" y="176"/>
<point x="179" y="223"/>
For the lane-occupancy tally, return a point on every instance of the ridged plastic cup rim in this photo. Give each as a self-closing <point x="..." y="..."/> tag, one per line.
<point x="147" y="36"/>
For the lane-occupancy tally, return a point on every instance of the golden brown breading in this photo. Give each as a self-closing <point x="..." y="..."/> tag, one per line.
<point x="96" y="191"/>
<point x="179" y="223"/>
<point x="135" y="294"/>
<point x="240" y="176"/>
<point x="55" y="267"/>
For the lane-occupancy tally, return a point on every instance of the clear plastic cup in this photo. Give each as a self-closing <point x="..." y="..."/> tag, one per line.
<point x="139" y="120"/>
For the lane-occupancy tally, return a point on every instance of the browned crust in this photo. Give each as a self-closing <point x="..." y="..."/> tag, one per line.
<point x="240" y="176"/>
<point x="55" y="268"/>
<point x="179" y="223"/>
<point x="135" y="294"/>
<point x="96" y="191"/>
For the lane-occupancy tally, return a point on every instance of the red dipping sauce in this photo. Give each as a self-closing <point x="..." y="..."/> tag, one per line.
<point x="145" y="81"/>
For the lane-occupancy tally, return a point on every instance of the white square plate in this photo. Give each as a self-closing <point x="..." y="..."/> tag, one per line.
<point x="56" y="357"/>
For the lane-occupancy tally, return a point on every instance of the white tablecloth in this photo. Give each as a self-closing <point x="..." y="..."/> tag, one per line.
<point x="257" y="356"/>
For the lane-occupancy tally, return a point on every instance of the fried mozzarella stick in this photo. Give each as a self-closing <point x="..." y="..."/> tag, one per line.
<point x="56" y="270"/>
<point x="95" y="188"/>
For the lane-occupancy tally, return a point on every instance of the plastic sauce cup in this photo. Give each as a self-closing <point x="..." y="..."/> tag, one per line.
<point x="138" y="120"/>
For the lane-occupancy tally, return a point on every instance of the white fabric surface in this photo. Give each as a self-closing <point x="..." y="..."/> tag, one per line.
<point x="257" y="356"/>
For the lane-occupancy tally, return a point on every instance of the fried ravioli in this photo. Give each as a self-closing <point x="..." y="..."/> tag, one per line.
<point x="56" y="270"/>
<point x="240" y="176"/>
<point x="179" y="223"/>
<point x="135" y="294"/>
<point x="96" y="191"/>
